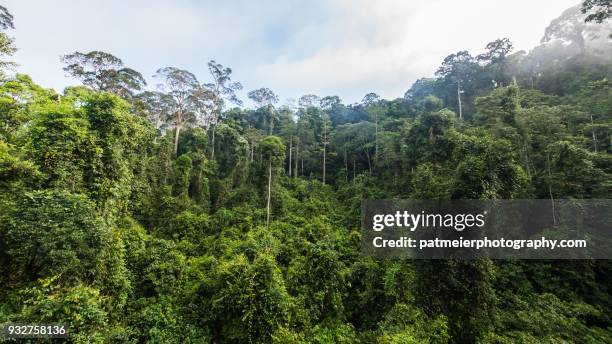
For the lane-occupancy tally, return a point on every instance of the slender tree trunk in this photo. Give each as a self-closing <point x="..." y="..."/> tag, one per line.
<point x="376" y="137"/>
<point x="302" y="166"/>
<point x="594" y="136"/>
<point x="212" y="155"/>
<point x="324" y="148"/>
<point x="354" y="170"/>
<point x="459" y="100"/>
<point x="290" y="150"/>
<point x="552" y="199"/>
<point x="179" y="120"/>
<point x="526" y="157"/>
<point x="297" y="156"/>
<point x="345" y="166"/>
<point x="176" y="139"/>
<point x="157" y="125"/>
<point x="269" y="189"/>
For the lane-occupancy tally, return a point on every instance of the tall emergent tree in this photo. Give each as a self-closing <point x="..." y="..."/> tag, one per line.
<point x="184" y="88"/>
<point x="458" y="69"/>
<point x="6" y="19"/>
<point x="369" y="102"/>
<point x="263" y="96"/>
<point x="156" y="106"/>
<point x="266" y="98"/>
<point x="370" y="98"/>
<point x="103" y="72"/>
<point x="495" y="59"/>
<point x="309" y="100"/>
<point x="7" y="43"/>
<point x="223" y="90"/>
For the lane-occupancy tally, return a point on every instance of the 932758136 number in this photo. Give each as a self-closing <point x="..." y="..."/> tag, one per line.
<point x="21" y="330"/>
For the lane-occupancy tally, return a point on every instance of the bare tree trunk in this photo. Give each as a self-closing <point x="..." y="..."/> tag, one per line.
<point x="176" y="138"/>
<point x="594" y="137"/>
<point x="179" y="120"/>
<point x="290" y="150"/>
<point x="324" y="148"/>
<point x="354" y="170"/>
<point x="552" y="199"/>
<point x="297" y="155"/>
<point x="212" y="155"/>
<point x="459" y="100"/>
<point x="345" y="166"/>
<point x="526" y="157"/>
<point x="157" y="125"/>
<point x="269" y="189"/>
<point x="376" y="137"/>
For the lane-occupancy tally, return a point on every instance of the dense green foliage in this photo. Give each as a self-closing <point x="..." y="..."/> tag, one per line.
<point x="159" y="217"/>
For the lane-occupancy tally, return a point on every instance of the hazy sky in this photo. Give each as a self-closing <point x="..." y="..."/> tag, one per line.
<point x="345" y="48"/>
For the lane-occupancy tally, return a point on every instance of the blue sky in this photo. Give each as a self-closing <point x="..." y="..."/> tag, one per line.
<point x="345" y="48"/>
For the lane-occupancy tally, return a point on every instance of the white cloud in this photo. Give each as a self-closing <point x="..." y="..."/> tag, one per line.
<point x="344" y="47"/>
<point x="384" y="47"/>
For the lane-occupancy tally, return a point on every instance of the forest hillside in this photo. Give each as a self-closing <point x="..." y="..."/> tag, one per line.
<point x="176" y="215"/>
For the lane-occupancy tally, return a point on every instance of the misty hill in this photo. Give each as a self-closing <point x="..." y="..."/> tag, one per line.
<point x="569" y="35"/>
